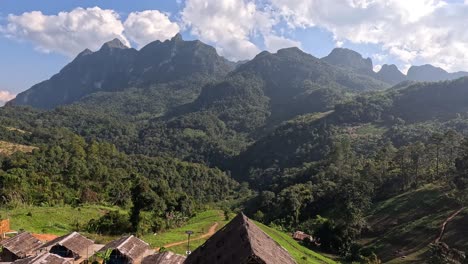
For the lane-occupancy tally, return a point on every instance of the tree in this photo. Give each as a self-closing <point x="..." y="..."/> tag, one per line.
<point x="143" y="198"/>
<point x="437" y="139"/>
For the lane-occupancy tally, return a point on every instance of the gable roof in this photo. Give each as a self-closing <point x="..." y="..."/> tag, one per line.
<point x="164" y="258"/>
<point x="44" y="258"/>
<point x="22" y="245"/>
<point x="237" y="243"/>
<point x="74" y="242"/>
<point x="129" y="246"/>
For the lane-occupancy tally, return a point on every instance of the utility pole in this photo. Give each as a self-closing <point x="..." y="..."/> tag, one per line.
<point x="189" y="233"/>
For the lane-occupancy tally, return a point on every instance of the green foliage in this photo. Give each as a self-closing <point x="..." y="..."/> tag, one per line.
<point x="112" y="223"/>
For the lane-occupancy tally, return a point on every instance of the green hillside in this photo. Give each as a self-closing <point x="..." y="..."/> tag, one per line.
<point x="300" y="253"/>
<point x="403" y="227"/>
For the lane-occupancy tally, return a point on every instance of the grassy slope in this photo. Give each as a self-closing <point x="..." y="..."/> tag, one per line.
<point x="200" y="224"/>
<point x="301" y="254"/>
<point x="61" y="220"/>
<point x="51" y="220"/>
<point x="406" y="224"/>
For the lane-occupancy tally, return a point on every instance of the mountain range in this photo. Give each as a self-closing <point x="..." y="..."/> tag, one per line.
<point x="322" y="145"/>
<point x="115" y="67"/>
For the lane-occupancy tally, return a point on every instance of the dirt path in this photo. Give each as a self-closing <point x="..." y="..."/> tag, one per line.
<point x="210" y="232"/>
<point x="442" y="228"/>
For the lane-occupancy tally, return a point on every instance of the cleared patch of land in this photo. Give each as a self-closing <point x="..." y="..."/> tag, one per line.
<point x="402" y="227"/>
<point x="8" y="148"/>
<point x="17" y="130"/>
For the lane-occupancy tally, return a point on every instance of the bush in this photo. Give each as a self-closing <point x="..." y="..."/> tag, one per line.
<point x="112" y="223"/>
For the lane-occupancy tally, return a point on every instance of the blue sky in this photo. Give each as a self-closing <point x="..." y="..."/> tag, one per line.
<point x="35" y="45"/>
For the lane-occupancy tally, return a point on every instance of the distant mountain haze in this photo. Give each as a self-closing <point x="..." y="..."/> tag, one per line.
<point x="390" y="74"/>
<point x="349" y="59"/>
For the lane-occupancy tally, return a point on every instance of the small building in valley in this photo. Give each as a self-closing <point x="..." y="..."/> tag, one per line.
<point x="127" y="250"/>
<point x="240" y="242"/>
<point x="73" y="246"/>
<point x="45" y="258"/>
<point x="164" y="258"/>
<point x="18" y="247"/>
<point x="301" y="236"/>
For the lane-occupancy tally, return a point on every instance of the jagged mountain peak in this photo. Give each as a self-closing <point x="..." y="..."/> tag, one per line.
<point x="430" y="73"/>
<point x="390" y="74"/>
<point x="291" y="50"/>
<point x="349" y="59"/>
<point x="114" y="44"/>
<point x="177" y="37"/>
<point x="389" y="68"/>
<point x="116" y="67"/>
<point x="84" y="53"/>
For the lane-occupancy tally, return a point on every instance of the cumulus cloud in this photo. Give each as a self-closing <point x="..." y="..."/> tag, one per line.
<point x="150" y="25"/>
<point x="425" y="31"/>
<point x="67" y="33"/>
<point x="231" y="25"/>
<point x="412" y="32"/>
<point x="225" y="23"/>
<point x="6" y="96"/>
<point x="274" y="43"/>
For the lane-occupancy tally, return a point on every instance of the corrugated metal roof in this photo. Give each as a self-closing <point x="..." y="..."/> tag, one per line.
<point x="239" y="242"/>
<point x="46" y="258"/>
<point x="22" y="245"/>
<point x="74" y="242"/>
<point x="129" y="246"/>
<point x="164" y="258"/>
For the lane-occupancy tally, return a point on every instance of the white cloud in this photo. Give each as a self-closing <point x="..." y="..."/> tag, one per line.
<point x="6" y="96"/>
<point x="150" y="25"/>
<point x="377" y="68"/>
<point x="273" y="43"/>
<point x="416" y="31"/>
<point x="225" y="23"/>
<point x="230" y="25"/>
<point x="379" y="57"/>
<point x="67" y="33"/>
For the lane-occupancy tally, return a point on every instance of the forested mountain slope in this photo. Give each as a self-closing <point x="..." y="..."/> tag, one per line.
<point x="302" y="143"/>
<point x="116" y="67"/>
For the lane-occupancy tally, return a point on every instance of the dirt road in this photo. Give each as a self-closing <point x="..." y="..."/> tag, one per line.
<point x="208" y="234"/>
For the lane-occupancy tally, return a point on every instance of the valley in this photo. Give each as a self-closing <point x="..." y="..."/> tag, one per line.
<point x="173" y="136"/>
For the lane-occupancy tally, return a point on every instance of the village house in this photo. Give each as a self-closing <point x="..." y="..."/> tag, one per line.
<point x="44" y="258"/>
<point x="301" y="236"/>
<point x="18" y="247"/>
<point x="164" y="258"/>
<point x="73" y="246"/>
<point x="240" y="242"/>
<point x="127" y="250"/>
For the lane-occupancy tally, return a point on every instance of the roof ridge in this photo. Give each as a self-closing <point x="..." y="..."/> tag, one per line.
<point x="67" y="237"/>
<point x="124" y="242"/>
<point x="246" y="227"/>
